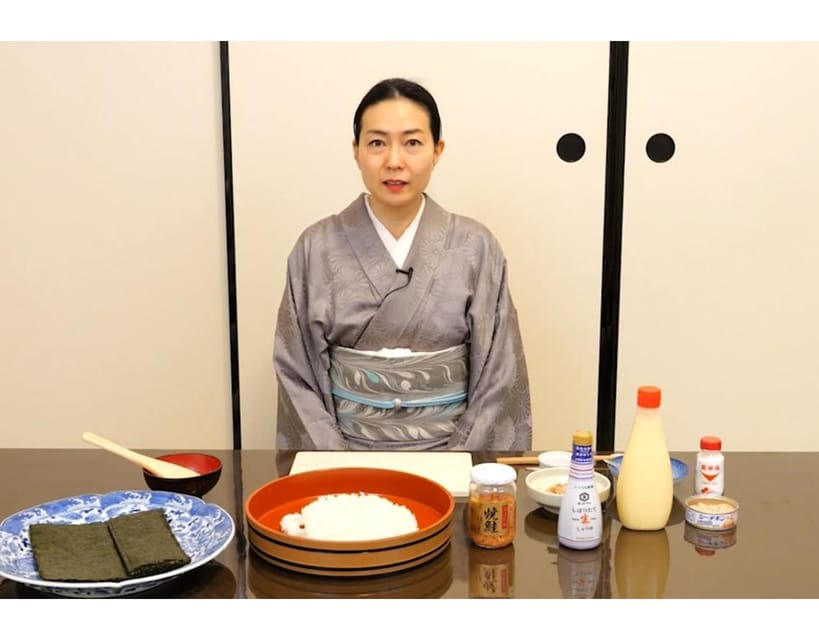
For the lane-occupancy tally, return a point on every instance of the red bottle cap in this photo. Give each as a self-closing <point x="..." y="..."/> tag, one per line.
<point x="710" y="443"/>
<point x="648" y="397"/>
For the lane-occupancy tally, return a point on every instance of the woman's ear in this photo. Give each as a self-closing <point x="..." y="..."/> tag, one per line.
<point x="439" y="149"/>
<point x="355" y="151"/>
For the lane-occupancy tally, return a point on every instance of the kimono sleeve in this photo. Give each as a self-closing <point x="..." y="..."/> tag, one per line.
<point x="498" y="415"/>
<point x="306" y="419"/>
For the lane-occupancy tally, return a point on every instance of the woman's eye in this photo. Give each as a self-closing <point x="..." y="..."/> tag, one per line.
<point x="376" y="143"/>
<point x="414" y="143"/>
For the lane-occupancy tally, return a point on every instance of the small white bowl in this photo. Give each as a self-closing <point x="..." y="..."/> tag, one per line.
<point x="712" y="513"/>
<point x="549" y="459"/>
<point x="540" y="481"/>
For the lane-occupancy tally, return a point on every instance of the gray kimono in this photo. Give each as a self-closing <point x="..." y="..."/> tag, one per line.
<point x="343" y="290"/>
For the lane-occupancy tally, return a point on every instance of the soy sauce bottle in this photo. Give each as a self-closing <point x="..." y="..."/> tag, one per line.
<point x="580" y="521"/>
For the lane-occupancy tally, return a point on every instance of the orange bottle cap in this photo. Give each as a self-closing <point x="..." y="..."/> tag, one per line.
<point x="710" y="443"/>
<point x="648" y="397"/>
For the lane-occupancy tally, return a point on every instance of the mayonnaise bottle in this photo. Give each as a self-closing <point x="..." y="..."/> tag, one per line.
<point x="645" y="484"/>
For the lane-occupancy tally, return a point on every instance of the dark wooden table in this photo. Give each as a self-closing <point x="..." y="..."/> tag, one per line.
<point x="771" y="554"/>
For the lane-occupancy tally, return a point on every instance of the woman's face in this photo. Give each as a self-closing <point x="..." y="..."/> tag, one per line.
<point x="396" y="154"/>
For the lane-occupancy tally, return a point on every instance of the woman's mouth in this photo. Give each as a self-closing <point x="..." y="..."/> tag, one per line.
<point x="394" y="185"/>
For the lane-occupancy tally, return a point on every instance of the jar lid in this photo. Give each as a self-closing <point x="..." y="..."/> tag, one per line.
<point x="493" y="473"/>
<point x="710" y="443"/>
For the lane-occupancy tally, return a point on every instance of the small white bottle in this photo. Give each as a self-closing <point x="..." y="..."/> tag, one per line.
<point x="580" y="521"/>
<point x="710" y="475"/>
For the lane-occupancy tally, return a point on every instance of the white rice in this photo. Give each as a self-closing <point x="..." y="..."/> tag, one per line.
<point x="350" y="516"/>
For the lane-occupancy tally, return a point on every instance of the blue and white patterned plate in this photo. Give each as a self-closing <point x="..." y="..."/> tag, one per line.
<point x="203" y="531"/>
<point x="679" y="469"/>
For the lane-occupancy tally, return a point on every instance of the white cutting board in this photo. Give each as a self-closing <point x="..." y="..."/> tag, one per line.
<point x="449" y="468"/>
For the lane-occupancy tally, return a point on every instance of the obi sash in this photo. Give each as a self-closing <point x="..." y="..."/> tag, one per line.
<point x="407" y="401"/>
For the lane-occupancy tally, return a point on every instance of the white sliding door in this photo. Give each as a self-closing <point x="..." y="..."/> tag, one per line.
<point x="719" y="295"/>
<point x="112" y="246"/>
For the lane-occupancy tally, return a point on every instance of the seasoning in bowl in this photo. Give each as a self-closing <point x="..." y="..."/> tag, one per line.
<point x="558" y="488"/>
<point x="716" y="513"/>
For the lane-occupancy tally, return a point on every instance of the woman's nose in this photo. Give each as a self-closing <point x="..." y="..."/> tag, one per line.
<point x="395" y="158"/>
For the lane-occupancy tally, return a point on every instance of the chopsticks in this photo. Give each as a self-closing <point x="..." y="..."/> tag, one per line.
<point x="533" y="459"/>
<point x="519" y="460"/>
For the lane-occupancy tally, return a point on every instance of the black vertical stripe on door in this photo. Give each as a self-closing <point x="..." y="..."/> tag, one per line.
<point x="612" y="245"/>
<point x="227" y="154"/>
<point x="227" y="158"/>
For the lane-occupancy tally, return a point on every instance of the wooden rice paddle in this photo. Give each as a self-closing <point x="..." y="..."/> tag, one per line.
<point x="157" y="467"/>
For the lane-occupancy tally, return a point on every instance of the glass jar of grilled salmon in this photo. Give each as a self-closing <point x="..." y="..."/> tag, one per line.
<point x="492" y="501"/>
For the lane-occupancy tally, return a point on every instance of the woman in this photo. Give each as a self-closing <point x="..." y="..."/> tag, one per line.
<point x="396" y="329"/>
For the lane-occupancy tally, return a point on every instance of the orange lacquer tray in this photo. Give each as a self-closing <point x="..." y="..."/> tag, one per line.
<point x="431" y="503"/>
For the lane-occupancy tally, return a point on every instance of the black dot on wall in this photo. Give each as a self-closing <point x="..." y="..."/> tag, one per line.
<point x="571" y="147"/>
<point x="660" y="147"/>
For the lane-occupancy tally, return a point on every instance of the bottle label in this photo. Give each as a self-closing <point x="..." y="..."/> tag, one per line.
<point x="579" y="521"/>
<point x="492" y="519"/>
<point x="585" y="515"/>
<point x="582" y="454"/>
<point x="709" y="477"/>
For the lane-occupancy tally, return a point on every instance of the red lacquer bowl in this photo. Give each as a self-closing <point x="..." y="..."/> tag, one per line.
<point x="208" y="468"/>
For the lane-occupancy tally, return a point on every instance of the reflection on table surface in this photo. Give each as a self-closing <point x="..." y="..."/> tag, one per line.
<point x="769" y="554"/>
<point x="212" y="580"/>
<point x="429" y="580"/>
